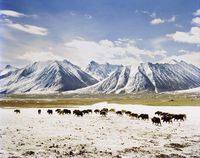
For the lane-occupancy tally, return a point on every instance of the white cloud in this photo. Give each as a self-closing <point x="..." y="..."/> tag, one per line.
<point x="157" y="21"/>
<point x="121" y="51"/>
<point x="196" y="21"/>
<point x="11" y="13"/>
<point x="197" y="13"/>
<point x="189" y="57"/>
<point x="33" y="56"/>
<point x="29" y="29"/>
<point x="192" y="37"/>
<point x="36" y="30"/>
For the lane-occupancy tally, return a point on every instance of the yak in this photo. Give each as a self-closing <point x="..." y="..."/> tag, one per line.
<point x="96" y="111"/>
<point x="156" y="120"/>
<point x="17" y="111"/>
<point x="39" y="111"/>
<point x="133" y="115"/>
<point x="78" y="113"/>
<point x="144" y="116"/>
<point x="103" y="113"/>
<point x="66" y="111"/>
<point x="167" y="119"/>
<point x="119" y="113"/>
<point x="50" y="112"/>
<point x="180" y="117"/>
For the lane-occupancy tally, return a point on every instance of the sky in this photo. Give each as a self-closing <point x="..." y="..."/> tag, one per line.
<point x="115" y="31"/>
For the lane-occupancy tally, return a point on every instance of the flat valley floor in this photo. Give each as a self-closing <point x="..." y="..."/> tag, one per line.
<point x="31" y="135"/>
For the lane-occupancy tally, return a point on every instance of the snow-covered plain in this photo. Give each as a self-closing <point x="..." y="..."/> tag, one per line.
<point x="97" y="136"/>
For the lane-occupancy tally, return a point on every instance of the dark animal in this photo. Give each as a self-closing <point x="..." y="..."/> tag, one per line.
<point x="133" y="115"/>
<point x="17" y="111"/>
<point x="85" y="112"/>
<point x="156" y="120"/>
<point x="96" y="111"/>
<point x="119" y="113"/>
<point x="66" y="111"/>
<point x="103" y="113"/>
<point x="50" y="112"/>
<point x="158" y="113"/>
<point x="180" y="117"/>
<point x="105" y="109"/>
<point x="78" y="113"/>
<point x="144" y="116"/>
<point x="61" y="112"/>
<point x="58" y="110"/>
<point x="167" y="119"/>
<point x="39" y="111"/>
<point x="89" y="110"/>
<point x="128" y="112"/>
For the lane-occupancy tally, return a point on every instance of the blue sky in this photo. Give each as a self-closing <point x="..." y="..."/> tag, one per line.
<point x="115" y="31"/>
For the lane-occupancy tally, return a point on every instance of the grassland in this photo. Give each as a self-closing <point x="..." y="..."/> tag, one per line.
<point x="47" y="101"/>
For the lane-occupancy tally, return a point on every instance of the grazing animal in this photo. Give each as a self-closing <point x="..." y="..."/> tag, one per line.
<point x="89" y="110"/>
<point x="61" y="112"/>
<point x="119" y="113"/>
<point x="103" y="113"/>
<point x="158" y="113"/>
<point x="17" y="111"/>
<point x="78" y="113"/>
<point x="105" y="109"/>
<point x="133" y="115"/>
<point x="39" y="111"/>
<point x="96" y="111"/>
<point x="50" y="112"/>
<point x="167" y="119"/>
<point x="180" y="117"/>
<point x="156" y="120"/>
<point x="144" y="116"/>
<point x="85" y="111"/>
<point x="58" y="110"/>
<point x="66" y="111"/>
<point x="128" y="112"/>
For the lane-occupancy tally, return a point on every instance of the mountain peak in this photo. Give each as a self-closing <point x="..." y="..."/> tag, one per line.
<point x="93" y="62"/>
<point x="9" y="66"/>
<point x="173" y="61"/>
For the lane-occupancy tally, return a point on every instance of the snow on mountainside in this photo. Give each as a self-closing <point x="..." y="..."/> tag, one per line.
<point x="45" y="77"/>
<point x="149" y="77"/>
<point x="101" y="71"/>
<point x="7" y="70"/>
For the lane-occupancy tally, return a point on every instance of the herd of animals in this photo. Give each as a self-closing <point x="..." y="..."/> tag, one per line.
<point x="160" y="116"/>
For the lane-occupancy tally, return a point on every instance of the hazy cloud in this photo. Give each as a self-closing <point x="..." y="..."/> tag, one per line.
<point x="29" y="29"/>
<point x="11" y="13"/>
<point x="187" y="56"/>
<point x="121" y="51"/>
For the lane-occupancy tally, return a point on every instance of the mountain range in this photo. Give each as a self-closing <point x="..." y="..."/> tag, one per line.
<point x="63" y="76"/>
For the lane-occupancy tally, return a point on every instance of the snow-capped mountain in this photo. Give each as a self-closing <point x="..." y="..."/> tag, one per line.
<point x="101" y="71"/>
<point x="49" y="76"/>
<point x="149" y="77"/>
<point x="7" y="70"/>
